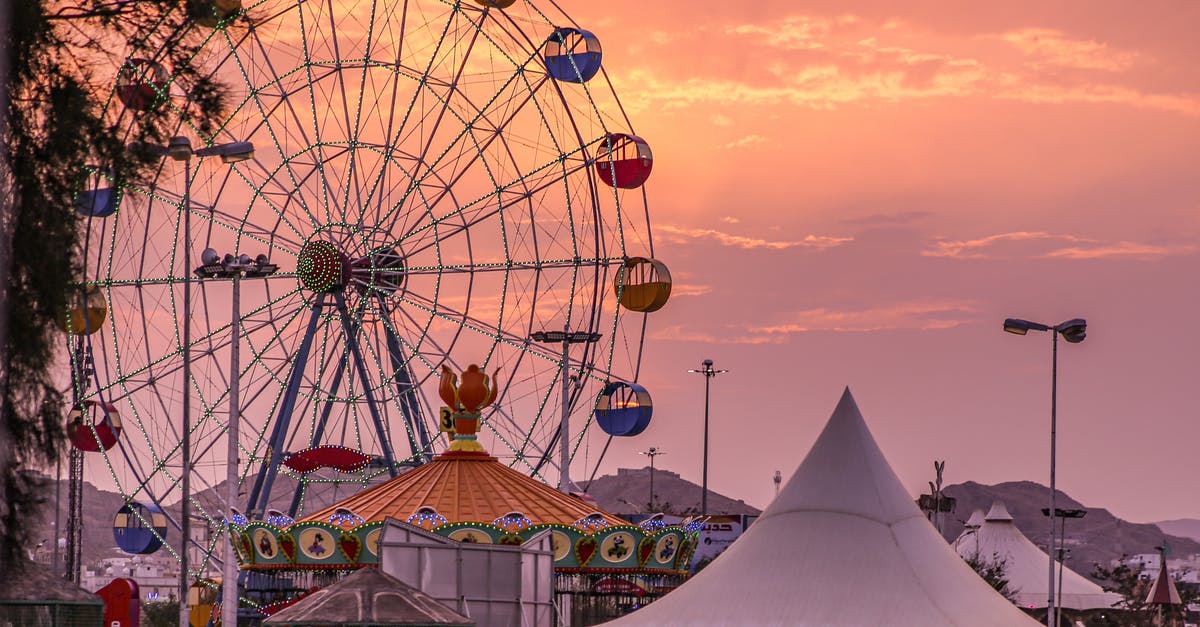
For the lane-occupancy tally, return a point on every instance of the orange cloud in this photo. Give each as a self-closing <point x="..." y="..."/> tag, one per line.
<point x="1047" y="46"/>
<point x="828" y="62"/>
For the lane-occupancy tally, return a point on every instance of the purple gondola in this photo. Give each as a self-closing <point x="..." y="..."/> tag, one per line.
<point x="624" y="409"/>
<point x="572" y="55"/>
<point x="140" y="528"/>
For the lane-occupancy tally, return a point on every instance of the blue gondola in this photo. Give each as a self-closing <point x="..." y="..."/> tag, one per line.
<point x="131" y="531"/>
<point x="98" y="198"/>
<point x="572" y="55"/>
<point x="624" y="409"/>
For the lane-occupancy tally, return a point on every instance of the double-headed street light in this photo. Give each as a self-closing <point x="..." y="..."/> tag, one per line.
<point x="709" y="373"/>
<point x="564" y="441"/>
<point x="652" y="453"/>
<point x="179" y="148"/>
<point x="1073" y="331"/>
<point x="1063" y="515"/>
<point x="234" y="268"/>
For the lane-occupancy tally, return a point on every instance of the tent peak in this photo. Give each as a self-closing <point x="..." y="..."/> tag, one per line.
<point x="998" y="512"/>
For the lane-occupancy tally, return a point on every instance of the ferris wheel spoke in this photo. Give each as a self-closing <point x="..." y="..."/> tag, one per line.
<point x="514" y="266"/>
<point x="200" y="342"/>
<point x="265" y="111"/>
<point x="485" y="209"/>
<point x="467" y="129"/>
<point x="446" y="185"/>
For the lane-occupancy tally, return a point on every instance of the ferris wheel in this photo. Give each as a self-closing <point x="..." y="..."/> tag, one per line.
<point x="399" y="185"/>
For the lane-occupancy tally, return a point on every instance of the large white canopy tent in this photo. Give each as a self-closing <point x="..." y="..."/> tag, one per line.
<point x="1026" y="566"/>
<point x="843" y="544"/>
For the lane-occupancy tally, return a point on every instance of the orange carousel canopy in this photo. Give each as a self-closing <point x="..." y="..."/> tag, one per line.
<point x="466" y="487"/>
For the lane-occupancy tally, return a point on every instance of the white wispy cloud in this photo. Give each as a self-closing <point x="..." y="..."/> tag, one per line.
<point x="1050" y="245"/>
<point x="913" y="316"/>
<point x="748" y="141"/>
<point x="679" y="234"/>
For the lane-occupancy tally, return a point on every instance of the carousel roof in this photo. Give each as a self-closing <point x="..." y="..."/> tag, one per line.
<point x="369" y="597"/>
<point x="466" y="487"/>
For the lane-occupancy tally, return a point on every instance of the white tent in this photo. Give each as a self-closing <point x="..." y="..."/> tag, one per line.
<point x="843" y="544"/>
<point x="1026" y="566"/>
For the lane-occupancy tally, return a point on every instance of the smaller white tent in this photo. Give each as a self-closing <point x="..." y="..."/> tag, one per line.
<point x="843" y="544"/>
<point x="1026" y="566"/>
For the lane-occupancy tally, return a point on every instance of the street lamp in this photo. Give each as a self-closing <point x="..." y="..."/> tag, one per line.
<point x="566" y="338"/>
<point x="708" y="373"/>
<point x="652" y="453"/>
<point x="233" y="268"/>
<point x="1073" y="331"/>
<point x="179" y="148"/>
<point x="1062" y="514"/>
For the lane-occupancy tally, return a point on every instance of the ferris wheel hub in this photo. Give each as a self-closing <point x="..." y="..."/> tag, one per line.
<point x="366" y="259"/>
<point x="321" y="267"/>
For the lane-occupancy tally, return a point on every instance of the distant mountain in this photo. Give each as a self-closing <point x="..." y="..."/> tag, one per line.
<point x="1182" y="527"/>
<point x="628" y="492"/>
<point x="1098" y="537"/>
<point x="100" y="507"/>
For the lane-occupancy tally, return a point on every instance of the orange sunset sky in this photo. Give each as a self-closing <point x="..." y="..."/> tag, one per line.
<point x="859" y="192"/>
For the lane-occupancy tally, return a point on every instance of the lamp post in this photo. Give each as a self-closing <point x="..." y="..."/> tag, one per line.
<point x="1062" y="514"/>
<point x="1073" y="331"/>
<point x="564" y="441"/>
<point x="179" y="148"/>
<point x="709" y="373"/>
<point x="233" y="268"/>
<point x="652" y="453"/>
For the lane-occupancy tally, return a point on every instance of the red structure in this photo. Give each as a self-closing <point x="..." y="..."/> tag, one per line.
<point x="122" y="603"/>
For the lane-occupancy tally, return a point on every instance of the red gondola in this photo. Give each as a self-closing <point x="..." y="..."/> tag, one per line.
<point x="142" y="84"/>
<point x="93" y="426"/>
<point x="210" y="12"/>
<point x="624" y="161"/>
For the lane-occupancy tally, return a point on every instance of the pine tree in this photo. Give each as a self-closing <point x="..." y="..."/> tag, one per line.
<point x="57" y="60"/>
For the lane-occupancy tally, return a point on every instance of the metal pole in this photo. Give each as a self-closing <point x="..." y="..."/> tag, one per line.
<point x="652" y="455"/>
<point x="186" y="509"/>
<point x="229" y="582"/>
<point x="1050" y="616"/>
<point x="704" y="488"/>
<point x="564" y="440"/>
<point x="1062" y="536"/>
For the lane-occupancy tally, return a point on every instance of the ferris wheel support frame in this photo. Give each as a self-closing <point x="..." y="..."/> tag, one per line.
<point x="260" y="494"/>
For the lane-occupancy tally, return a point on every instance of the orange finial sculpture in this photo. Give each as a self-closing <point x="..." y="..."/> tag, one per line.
<point x="465" y="401"/>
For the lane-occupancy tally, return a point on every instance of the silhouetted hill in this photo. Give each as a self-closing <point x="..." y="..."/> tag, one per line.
<point x="1098" y="537"/>
<point x="628" y="492"/>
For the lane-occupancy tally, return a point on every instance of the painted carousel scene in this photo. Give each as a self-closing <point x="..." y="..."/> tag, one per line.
<point x="551" y="313"/>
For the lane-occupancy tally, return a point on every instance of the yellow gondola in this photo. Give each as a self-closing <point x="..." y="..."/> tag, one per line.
<point x="86" y="313"/>
<point x="202" y="599"/>
<point x="643" y="284"/>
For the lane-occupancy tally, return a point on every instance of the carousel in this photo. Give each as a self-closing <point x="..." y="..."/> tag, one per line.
<point x="602" y="563"/>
